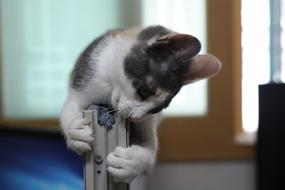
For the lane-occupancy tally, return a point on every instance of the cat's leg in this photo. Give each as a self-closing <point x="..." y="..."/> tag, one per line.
<point x="124" y="164"/>
<point x="78" y="135"/>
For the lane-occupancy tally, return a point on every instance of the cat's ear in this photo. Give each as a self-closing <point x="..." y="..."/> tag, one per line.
<point x="175" y="43"/>
<point x="201" y="67"/>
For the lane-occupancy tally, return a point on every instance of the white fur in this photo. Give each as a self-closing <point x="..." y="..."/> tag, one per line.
<point x="110" y="85"/>
<point x="124" y="164"/>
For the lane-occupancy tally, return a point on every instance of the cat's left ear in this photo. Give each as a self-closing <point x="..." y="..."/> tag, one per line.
<point x="175" y="44"/>
<point x="201" y="67"/>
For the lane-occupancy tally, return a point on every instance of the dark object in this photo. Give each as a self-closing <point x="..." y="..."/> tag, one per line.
<point x="106" y="114"/>
<point x="271" y="137"/>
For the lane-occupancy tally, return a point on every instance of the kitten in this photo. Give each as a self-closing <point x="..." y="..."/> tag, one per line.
<point x="138" y="72"/>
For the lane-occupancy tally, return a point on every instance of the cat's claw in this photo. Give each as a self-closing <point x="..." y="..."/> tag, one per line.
<point x="79" y="137"/>
<point x="124" y="164"/>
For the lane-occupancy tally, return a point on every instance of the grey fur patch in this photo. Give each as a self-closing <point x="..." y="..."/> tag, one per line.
<point x="83" y="72"/>
<point x="153" y="31"/>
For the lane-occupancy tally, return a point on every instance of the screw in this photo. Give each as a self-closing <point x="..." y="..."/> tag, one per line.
<point x="98" y="159"/>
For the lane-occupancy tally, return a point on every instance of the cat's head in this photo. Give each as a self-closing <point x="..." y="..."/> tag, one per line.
<point x="158" y="67"/>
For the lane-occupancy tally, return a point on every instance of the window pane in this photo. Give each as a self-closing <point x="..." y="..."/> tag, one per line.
<point x="186" y="16"/>
<point x="255" y="57"/>
<point x="283" y="41"/>
<point x="41" y="40"/>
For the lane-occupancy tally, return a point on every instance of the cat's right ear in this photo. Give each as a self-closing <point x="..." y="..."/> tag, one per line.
<point x="172" y="44"/>
<point x="201" y="67"/>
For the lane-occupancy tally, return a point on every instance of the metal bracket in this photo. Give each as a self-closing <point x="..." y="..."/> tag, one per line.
<point x="110" y="131"/>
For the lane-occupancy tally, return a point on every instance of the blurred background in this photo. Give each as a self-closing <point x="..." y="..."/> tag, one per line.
<point x="220" y="134"/>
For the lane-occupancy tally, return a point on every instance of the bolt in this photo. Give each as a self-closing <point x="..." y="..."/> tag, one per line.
<point x="98" y="159"/>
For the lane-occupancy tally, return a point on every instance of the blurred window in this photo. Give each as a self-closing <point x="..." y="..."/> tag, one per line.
<point x="41" y="39"/>
<point x="40" y="42"/>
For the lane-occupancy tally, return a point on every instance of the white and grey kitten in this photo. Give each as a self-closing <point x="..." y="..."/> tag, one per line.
<point x="138" y="72"/>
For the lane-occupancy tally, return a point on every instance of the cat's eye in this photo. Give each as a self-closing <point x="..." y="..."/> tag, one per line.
<point x="145" y="92"/>
<point x="175" y="67"/>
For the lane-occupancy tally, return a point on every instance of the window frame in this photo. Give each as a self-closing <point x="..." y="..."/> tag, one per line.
<point x="213" y="137"/>
<point x="210" y="137"/>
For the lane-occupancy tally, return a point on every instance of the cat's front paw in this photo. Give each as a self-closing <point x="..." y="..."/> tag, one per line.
<point x="79" y="136"/>
<point x="124" y="164"/>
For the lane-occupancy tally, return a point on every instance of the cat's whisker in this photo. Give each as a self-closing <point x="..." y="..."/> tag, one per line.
<point x="119" y="112"/>
<point x="111" y="111"/>
<point x="130" y="114"/>
<point x="114" y="109"/>
<point x="112" y="117"/>
<point x="123" y="111"/>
